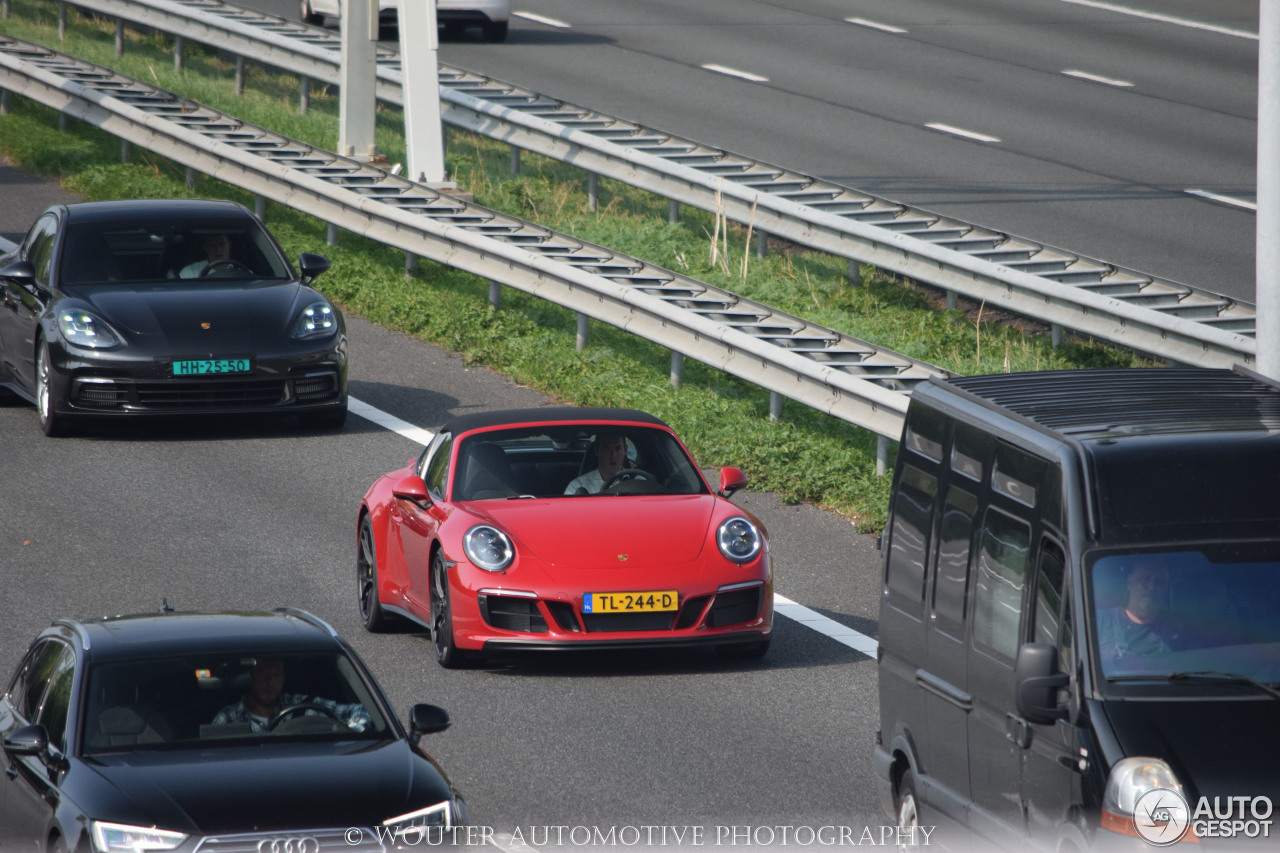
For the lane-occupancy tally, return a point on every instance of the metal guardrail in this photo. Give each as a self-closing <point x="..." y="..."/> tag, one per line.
<point x="1094" y="298"/>
<point x="842" y="376"/>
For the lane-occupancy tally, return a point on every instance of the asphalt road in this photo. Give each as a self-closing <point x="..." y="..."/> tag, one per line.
<point x="1099" y="164"/>
<point x="251" y="514"/>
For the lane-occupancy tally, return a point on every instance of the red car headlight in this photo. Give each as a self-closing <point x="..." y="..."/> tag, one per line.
<point x="739" y="539"/>
<point x="488" y="548"/>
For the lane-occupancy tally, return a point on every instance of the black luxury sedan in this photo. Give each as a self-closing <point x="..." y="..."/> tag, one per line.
<point x="213" y="731"/>
<point x="178" y="306"/>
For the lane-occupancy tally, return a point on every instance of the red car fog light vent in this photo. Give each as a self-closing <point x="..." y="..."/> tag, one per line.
<point x="512" y="614"/>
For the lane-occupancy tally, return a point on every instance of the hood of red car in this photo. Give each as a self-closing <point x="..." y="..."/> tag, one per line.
<point x="608" y="531"/>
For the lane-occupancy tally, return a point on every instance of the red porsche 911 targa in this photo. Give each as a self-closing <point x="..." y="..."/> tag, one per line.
<point x="563" y="528"/>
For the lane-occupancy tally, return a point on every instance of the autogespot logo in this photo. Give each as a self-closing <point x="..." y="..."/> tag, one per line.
<point x="1161" y="817"/>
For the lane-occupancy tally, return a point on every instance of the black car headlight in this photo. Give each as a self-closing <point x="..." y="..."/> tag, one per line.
<point x="121" y="838"/>
<point x="316" y="321"/>
<point x="83" y="329"/>
<point x="424" y="825"/>
<point x="739" y="539"/>
<point x="488" y="548"/>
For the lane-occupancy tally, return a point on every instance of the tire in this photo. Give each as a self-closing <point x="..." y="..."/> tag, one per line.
<point x="448" y="655"/>
<point x="372" y="615"/>
<point x="308" y="15"/>
<point x="495" y="32"/>
<point x="51" y="423"/>
<point x="908" y="805"/>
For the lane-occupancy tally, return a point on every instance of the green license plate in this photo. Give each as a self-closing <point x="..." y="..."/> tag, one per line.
<point x="211" y="366"/>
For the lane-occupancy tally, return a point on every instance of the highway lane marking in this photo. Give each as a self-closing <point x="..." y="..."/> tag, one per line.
<point x="1164" y="19"/>
<point x="1224" y="199"/>
<point x="734" y="72"/>
<point x="781" y="604"/>
<point x="1095" y="78"/>
<point x="539" y="19"/>
<point x="863" y="22"/>
<point x="957" y="131"/>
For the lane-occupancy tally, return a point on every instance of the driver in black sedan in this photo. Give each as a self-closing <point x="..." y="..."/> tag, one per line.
<point x="265" y="699"/>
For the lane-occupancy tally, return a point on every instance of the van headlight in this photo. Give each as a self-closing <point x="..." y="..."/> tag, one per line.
<point x="1127" y="810"/>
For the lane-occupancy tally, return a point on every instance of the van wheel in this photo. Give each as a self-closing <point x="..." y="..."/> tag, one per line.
<point x="908" y="807"/>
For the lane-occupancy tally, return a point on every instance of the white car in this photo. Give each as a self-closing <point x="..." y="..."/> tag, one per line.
<point x="490" y="16"/>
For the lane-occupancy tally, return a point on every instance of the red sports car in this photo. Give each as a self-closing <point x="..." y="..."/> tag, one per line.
<point x="563" y="528"/>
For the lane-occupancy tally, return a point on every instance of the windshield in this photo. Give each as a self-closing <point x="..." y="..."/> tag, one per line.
<point x="1212" y="610"/>
<point x="573" y="461"/>
<point x="199" y="699"/>
<point x="138" y="251"/>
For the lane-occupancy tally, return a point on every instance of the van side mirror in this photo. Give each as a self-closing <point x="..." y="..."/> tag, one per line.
<point x="426" y="719"/>
<point x="1037" y="681"/>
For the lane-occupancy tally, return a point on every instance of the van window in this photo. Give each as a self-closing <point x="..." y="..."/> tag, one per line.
<point x="1001" y="574"/>
<point x="909" y="537"/>
<point x="926" y="433"/>
<point x="955" y="538"/>
<point x="969" y="448"/>
<point x="1017" y="474"/>
<point x="1048" y="595"/>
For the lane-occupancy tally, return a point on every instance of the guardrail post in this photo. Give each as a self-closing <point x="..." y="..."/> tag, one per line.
<point x="775" y="405"/>
<point x="191" y="178"/>
<point x="583" y="330"/>
<point x="515" y="160"/>
<point x="410" y="264"/>
<point x="62" y="18"/>
<point x="882" y="455"/>
<point x="1055" y="333"/>
<point x="331" y="234"/>
<point x="62" y="122"/>
<point x="953" y="300"/>
<point x="260" y="207"/>
<point x="304" y="95"/>
<point x="4" y="102"/>
<point x="495" y="295"/>
<point x="178" y="48"/>
<point x="762" y="244"/>
<point x="593" y="191"/>
<point x="677" y="369"/>
<point x="855" y="271"/>
<point x="4" y="9"/>
<point x="239" y="76"/>
<point x="119" y="37"/>
<point x="673" y="212"/>
<point x="126" y="151"/>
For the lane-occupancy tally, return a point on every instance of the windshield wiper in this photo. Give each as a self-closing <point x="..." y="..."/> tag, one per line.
<point x="1205" y="675"/>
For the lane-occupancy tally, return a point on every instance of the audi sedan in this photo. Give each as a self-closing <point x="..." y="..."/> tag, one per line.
<point x="217" y="732"/>
<point x="148" y="308"/>
<point x="563" y="528"/>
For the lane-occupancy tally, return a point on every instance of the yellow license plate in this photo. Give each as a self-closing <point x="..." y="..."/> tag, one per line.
<point x="629" y="602"/>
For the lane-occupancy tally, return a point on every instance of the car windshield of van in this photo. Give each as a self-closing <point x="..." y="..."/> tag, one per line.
<point x="1193" y="615"/>
<point x="202" y="700"/>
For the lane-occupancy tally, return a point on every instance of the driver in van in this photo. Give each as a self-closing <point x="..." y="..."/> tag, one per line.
<point x="265" y="699"/>
<point x="1142" y="626"/>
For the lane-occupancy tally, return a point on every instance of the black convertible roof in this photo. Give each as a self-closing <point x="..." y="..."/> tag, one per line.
<point x="552" y="414"/>
<point x="1149" y="401"/>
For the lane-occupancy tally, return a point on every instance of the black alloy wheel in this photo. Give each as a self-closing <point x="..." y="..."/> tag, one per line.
<point x="371" y="613"/>
<point x="448" y="655"/>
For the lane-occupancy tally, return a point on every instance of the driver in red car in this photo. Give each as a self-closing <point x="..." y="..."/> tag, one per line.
<point x="610" y="451"/>
<point x="266" y="698"/>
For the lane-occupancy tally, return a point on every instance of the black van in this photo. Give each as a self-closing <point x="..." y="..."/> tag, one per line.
<point x="1080" y="618"/>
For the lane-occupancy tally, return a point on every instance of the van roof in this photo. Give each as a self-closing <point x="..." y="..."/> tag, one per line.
<point x="1092" y="404"/>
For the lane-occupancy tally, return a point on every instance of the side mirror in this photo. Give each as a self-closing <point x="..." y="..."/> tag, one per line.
<point x="312" y="266"/>
<point x="411" y="488"/>
<point x="426" y="719"/>
<point x="28" y="740"/>
<point x="22" y="272"/>
<point x="1037" y="682"/>
<point x="731" y="480"/>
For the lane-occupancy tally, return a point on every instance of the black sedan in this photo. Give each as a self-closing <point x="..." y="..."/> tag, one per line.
<point x="213" y="731"/>
<point x="166" y="307"/>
